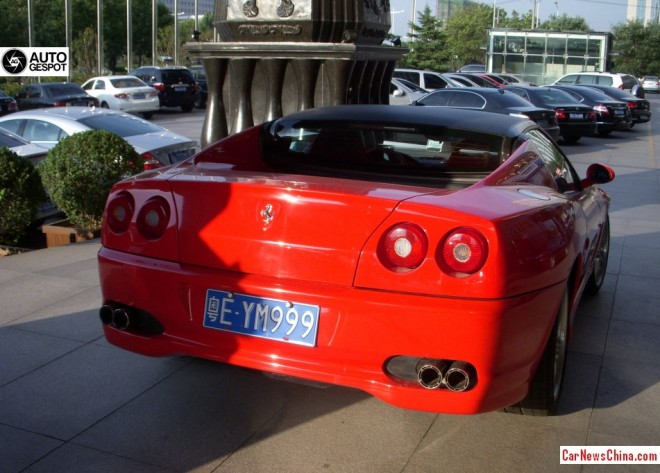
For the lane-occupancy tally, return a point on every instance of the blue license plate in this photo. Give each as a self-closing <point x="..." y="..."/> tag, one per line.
<point x="576" y="116"/>
<point x="274" y="319"/>
<point x="619" y="113"/>
<point x="178" y="156"/>
<point x="138" y="96"/>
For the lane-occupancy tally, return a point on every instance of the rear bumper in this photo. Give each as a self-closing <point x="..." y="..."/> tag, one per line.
<point x="359" y="331"/>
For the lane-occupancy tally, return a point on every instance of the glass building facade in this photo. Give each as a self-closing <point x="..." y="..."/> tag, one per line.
<point x="542" y="57"/>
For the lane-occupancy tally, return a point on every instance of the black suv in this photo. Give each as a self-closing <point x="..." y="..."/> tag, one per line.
<point x="175" y="85"/>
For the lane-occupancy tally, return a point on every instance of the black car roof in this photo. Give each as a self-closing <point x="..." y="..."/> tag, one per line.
<point x="477" y="120"/>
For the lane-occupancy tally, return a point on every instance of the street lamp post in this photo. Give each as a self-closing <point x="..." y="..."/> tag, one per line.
<point x="99" y="42"/>
<point x="176" y="32"/>
<point x="154" y="31"/>
<point x="129" y="36"/>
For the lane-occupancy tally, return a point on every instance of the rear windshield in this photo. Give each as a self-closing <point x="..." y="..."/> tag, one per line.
<point x="381" y="151"/>
<point x="121" y="125"/>
<point x="127" y="82"/>
<point x="56" y="90"/>
<point x="177" y="76"/>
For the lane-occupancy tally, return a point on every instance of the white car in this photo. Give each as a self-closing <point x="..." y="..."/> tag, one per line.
<point x="124" y="93"/>
<point x="46" y="127"/>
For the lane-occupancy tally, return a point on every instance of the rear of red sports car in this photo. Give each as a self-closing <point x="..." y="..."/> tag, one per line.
<point x="424" y="260"/>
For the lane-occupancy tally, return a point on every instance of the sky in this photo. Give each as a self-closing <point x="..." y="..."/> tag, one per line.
<point x="601" y="15"/>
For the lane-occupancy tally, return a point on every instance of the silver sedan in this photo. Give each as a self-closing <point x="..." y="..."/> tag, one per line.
<point x="46" y="127"/>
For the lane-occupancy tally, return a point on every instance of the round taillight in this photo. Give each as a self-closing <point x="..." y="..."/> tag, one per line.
<point x="120" y="212"/>
<point x="464" y="250"/>
<point x="153" y="218"/>
<point x="403" y="247"/>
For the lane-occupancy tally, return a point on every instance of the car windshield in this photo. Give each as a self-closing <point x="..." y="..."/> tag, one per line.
<point x="121" y="125"/>
<point x="56" y="90"/>
<point x="381" y="150"/>
<point x="126" y="82"/>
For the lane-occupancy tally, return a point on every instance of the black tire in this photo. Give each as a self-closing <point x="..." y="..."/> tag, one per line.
<point x="147" y="115"/>
<point x="187" y="108"/>
<point x="597" y="276"/>
<point x="571" y="139"/>
<point x="604" y="132"/>
<point x="104" y="105"/>
<point x="548" y="380"/>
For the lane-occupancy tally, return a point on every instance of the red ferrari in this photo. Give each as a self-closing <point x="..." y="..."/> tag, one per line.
<point x="433" y="258"/>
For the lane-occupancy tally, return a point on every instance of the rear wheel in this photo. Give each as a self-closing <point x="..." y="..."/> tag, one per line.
<point x="597" y="277"/>
<point x="147" y="115"/>
<point x="187" y="108"/>
<point x="546" y="385"/>
<point x="605" y="132"/>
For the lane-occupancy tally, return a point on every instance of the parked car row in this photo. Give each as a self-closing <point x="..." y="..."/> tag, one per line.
<point x="569" y="111"/>
<point x="144" y="91"/>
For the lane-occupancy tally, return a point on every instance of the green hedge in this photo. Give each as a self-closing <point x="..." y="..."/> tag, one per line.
<point x="80" y="171"/>
<point x="21" y="192"/>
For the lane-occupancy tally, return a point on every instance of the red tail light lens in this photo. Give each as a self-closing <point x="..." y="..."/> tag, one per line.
<point x="153" y="218"/>
<point x="591" y="116"/>
<point x="464" y="250"/>
<point x="158" y="86"/>
<point x="561" y="115"/>
<point x="403" y="247"/>
<point x="120" y="212"/>
<point x="150" y="161"/>
<point x="122" y="96"/>
<point x="632" y="105"/>
<point x="602" y="109"/>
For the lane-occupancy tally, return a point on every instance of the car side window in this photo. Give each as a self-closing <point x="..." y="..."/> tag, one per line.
<point x="12" y="125"/>
<point x="410" y="76"/>
<point x="572" y="79"/>
<point x="432" y="81"/>
<point x="467" y="100"/>
<point x="437" y="99"/>
<point x="100" y="85"/>
<point x="587" y="79"/>
<point x="605" y="80"/>
<point x="554" y="159"/>
<point x="38" y="130"/>
<point x="33" y="92"/>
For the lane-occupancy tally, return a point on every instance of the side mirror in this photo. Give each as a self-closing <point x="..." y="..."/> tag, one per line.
<point x="598" y="174"/>
<point x="638" y="91"/>
<point x="398" y="93"/>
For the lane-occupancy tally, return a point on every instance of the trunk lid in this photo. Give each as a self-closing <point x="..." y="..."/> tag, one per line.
<point x="279" y="225"/>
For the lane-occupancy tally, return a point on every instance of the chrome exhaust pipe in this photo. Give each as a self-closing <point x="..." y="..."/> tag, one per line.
<point x="430" y="373"/>
<point x="459" y="376"/>
<point x="106" y="314"/>
<point x="121" y="320"/>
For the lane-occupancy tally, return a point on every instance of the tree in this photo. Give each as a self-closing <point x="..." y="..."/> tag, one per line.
<point x="466" y="34"/>
<point x="566" y="23"/>
<point x="428" y="46"/>
<point x="636" y="48"/>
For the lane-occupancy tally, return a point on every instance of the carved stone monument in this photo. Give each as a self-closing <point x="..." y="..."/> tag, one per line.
<point x="275" y="57"/>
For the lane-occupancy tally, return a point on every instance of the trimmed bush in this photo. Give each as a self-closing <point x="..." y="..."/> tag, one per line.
<point x="21" y="192"/>
<point x="80" y="171"/>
